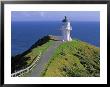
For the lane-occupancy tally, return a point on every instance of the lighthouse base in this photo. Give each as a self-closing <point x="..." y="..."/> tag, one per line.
<point x="60" y="38"/>
<point x="70" y="39"/>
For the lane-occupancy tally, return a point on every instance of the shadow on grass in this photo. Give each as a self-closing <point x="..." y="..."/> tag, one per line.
<point x="20" y="61"/>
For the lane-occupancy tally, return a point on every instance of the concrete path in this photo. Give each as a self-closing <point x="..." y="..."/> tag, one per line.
<point x="45" y="57"/>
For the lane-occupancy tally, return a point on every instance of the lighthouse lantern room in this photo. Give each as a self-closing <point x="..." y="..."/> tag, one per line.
<point x="66" y="28"/>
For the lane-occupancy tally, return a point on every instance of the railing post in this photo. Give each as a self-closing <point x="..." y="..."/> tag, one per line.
<point x="25" y="70"/>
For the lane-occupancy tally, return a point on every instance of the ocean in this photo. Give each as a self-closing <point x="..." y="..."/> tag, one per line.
<point x="24" y="34"/>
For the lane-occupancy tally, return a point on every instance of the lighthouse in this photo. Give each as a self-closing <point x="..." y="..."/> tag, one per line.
<point x="65" y="29"/>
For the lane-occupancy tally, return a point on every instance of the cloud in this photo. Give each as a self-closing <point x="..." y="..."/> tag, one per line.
<point x="42" y="14"/>
<point x="55" y="15"/>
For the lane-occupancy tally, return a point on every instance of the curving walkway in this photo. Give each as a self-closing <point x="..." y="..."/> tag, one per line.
<point x="45" y="57"/>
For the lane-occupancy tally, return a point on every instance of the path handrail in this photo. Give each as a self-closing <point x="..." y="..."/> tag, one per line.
<point x="26" y="70"/>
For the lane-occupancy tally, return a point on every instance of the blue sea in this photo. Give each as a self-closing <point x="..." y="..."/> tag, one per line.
<point x="24" y="34"/>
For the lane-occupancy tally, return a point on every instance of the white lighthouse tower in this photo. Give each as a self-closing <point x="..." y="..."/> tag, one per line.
<point x="66" y="28"/>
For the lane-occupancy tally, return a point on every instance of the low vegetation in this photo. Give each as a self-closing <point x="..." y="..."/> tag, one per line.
<point x="26" y="58"/>
<point x="70" y="59"/>
<point x="74" y="59"/>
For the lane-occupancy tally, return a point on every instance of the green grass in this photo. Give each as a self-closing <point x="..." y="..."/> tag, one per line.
<point x="74" y="59"/>
<point x="25" y="59"/>
<point x="36" y="51"/>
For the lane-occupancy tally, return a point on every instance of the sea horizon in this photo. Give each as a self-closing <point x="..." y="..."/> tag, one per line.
<point x="25" y="33"/>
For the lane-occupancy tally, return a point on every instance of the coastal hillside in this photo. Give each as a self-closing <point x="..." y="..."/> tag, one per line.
<point x="26" y="58"/>
<point x="74" y="59"/>
<point x="70" y="59"/>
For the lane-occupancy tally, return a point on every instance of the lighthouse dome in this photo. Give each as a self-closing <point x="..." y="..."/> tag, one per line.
<point x="65" y="19"/>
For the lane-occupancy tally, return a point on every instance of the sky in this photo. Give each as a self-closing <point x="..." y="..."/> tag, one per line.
<point x="55" y="15"/>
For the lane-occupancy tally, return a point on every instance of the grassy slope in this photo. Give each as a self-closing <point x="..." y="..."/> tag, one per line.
<point x="25" y="59"/>
<point x="75" y="59"/>
<point x="36" y="51"/>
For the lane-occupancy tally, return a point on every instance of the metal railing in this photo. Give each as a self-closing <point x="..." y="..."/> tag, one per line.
<point x="26" y="70"/>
